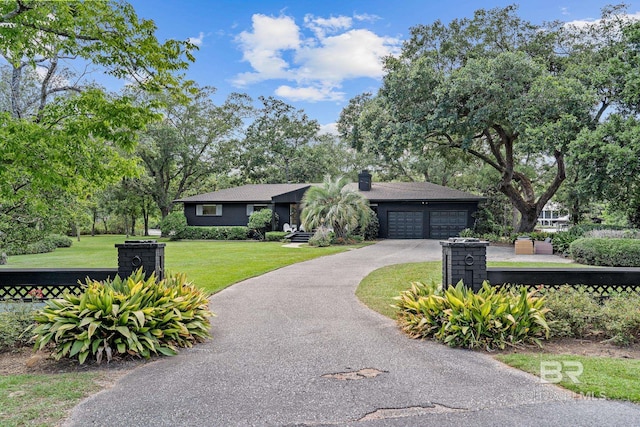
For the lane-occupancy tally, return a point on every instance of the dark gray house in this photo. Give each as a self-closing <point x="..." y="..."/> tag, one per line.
<point x="406" y="210"/>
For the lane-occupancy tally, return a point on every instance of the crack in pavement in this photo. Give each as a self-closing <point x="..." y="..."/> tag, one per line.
<point x="355" y="375"/>
<point x="412" y="411"/>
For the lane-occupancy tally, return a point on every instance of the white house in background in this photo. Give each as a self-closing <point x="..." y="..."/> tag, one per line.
<point x="552" y="216"/>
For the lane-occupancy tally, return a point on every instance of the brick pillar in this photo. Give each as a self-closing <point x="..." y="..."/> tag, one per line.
<point x="464" y="259"/>
<point x="145" y="254"/>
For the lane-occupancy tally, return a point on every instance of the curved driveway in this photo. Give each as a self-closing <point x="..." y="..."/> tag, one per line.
<point x="295" y="347"/>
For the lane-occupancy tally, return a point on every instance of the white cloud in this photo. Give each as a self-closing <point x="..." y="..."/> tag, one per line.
<point x="366" y="17"/>
<point x="263" y="47"/>
<point x="329" y="128"/>
<point x="309" y="93"/>
<point x="582" y="23"/>
<point x="353" y="54"/>
<point x="197" y="40"/>
<point x="322" y="26"/>
<point x="316" y="64"/>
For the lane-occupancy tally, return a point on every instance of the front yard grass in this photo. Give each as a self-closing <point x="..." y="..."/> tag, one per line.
<point x="602" y="377"/>
<point x="41" y="399"/>
<point x="211" y="265"/>
<point x="45" y="399"/>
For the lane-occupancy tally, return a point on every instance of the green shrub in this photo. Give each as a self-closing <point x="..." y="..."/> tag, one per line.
<point x="125" y="316"/>
<point x="275" y="236"/>
<point x="573" y="312"/>
<point x="621" y="315"/>
<point x="214" y="233"/>
<point x="173" y="225"/>
<point x="606" y="252"/>
<point x="321" y="238"/>
<point x="491" y="318"/>
<point x="236" y="233"/>
<point x="259" y="221"/>
<point x="45" y="245"/>
<point x="59" y="240"/>
<point x="15" y="318"/>
<point x="467" y="232"/>
<point x="540" y="235"/>
<point x="614" y="234"/>
<point x="421" y="310"/>
<point x="372" y="229"/>
<point x="563" y="239"/>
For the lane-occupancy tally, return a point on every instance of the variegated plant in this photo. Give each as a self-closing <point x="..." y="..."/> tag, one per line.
<point x="130" y="316"/>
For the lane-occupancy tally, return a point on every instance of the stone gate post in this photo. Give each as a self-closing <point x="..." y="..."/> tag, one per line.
<point x="145" y="254"/>
<point x="464" y="259"/>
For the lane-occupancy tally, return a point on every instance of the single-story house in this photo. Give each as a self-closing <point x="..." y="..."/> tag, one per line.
<point x="406" y="210"/>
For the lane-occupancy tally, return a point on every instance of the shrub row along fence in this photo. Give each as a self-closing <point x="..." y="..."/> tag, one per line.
<point x="465" y="259"/>
<point x="44" y="283"/>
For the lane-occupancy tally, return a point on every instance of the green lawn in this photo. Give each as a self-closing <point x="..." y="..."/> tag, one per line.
<point x="378" y="289"/>
<point x="43" y="400"/>
<point x="211" y="265"/>
<point x="603" y="377"/>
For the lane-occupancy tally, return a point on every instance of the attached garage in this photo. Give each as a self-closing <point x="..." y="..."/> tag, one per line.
<point x="405" y="225"/>
<point x="445" y="224"/>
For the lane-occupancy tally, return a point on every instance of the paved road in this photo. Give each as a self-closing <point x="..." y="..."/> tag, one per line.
<point x="295" y="347"/>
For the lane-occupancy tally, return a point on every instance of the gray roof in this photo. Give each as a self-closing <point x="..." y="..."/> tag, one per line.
<point x="415" y="191"/>
<point x="380" y="192"/>
<point x="260" y="193"/>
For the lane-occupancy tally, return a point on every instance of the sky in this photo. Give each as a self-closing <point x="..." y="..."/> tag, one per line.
<point x="316" y="55"/>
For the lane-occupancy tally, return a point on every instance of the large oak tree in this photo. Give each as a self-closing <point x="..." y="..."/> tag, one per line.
<point x="512" y="94"/>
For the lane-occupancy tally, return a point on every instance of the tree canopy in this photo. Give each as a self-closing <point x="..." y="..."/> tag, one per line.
<point x="62" y="134"/>
<point x="509" y="93"/>
<point x="274" y="141"/>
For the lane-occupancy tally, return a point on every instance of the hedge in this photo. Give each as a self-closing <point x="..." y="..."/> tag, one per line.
<point x="214" y="233"/>
<point x="275" y="236"/>
<point x="606" y="252"/>
<point x="46" y="244"/>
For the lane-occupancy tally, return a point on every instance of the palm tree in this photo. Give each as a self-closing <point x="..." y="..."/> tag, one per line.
<point x="336" y="206"/>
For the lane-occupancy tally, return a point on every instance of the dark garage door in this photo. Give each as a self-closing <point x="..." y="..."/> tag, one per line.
<point x="405" y="225"/>
<point x="445" y="224"/>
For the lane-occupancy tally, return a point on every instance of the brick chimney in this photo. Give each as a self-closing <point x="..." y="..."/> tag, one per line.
<point x="364" y="181"/>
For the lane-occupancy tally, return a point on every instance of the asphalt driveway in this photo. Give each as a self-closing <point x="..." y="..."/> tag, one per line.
<point x="296" y="347"/>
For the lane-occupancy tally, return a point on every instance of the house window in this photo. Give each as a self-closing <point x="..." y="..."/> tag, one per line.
<point x="209" y="210"/>
<point x="254" y="208"/>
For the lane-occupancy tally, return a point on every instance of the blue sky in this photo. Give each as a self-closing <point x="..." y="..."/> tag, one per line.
<point x="315" y="55"/>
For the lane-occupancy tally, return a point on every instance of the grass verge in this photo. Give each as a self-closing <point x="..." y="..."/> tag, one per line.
<point x="612" y="378"/>
<point x="45" y="399"/>
<point x="211" y="265"/>
<point x="377" y="290"/>
<point x="601" y="377"/>
<point x="42" y="400"/>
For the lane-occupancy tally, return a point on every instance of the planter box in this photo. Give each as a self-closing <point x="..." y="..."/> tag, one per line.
<point x="524" y="247"/>
<point x="543" y="248"/>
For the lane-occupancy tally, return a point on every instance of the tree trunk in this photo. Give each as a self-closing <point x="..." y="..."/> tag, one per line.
<point x="133" y="225"/>
<point x="93" y="224"/>
<point x="145" y="218"/>
<point x="528" y="220"/>
<point x="164" y="211"/>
